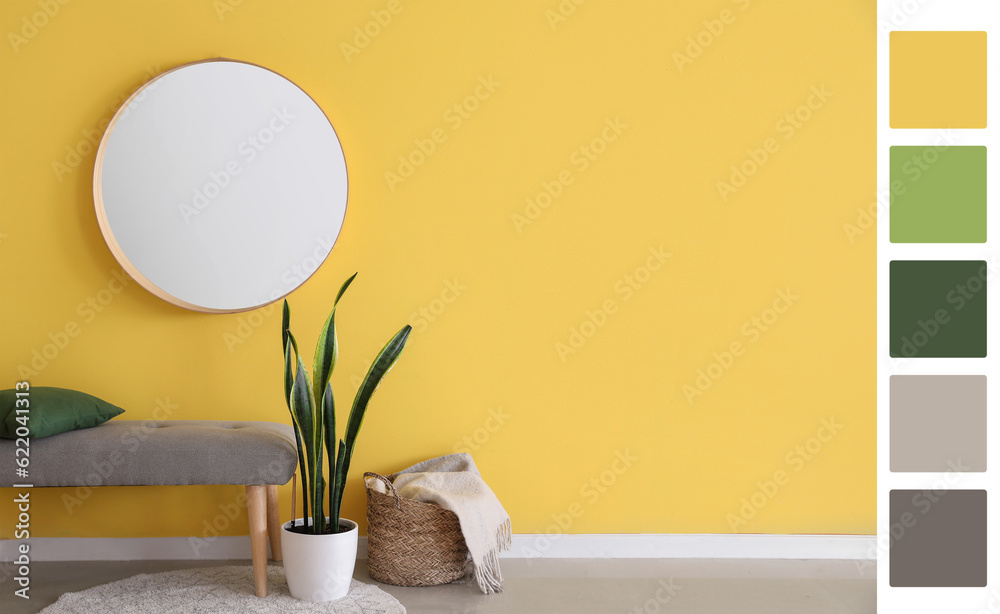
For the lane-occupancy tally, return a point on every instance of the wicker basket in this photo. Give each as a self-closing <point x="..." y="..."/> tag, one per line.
<point x="411" y="543"/>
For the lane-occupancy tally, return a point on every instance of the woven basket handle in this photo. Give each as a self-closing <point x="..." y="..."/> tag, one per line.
<point x="386" y="481"/>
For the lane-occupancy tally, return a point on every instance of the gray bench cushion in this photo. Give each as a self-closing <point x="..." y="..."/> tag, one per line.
<point x="158" y="453"/>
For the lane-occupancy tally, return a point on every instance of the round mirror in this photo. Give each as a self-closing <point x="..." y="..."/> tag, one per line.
<point x="220" y="186"/>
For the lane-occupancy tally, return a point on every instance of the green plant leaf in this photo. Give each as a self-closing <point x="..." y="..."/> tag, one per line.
<point x="319" y="518"/>
<point x="304" y="407"/>
<point x="337" y="494"/>
<point x="289" y="374"/>
<point x="329" y="433"/>
<point x="384" y="362"/>
<point x="286" y="316"/>
<point x="325" y="358"/>
<point x="296" y="428"/>
<point x="301" y="415"/>
<point x="316" y="454"/>
<point x="343" y="288"/>
<point x="329" y="436"/>
<point x="302" y="468"/>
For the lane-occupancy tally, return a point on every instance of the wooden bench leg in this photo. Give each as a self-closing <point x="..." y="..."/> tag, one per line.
<point x="273" y="522"/>
<point x="257" y="510"/>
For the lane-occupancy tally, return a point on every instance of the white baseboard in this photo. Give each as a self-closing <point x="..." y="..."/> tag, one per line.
<point x="129" y="548"/>
<point x="588" y="546"/>
<point x="676" y="546"/>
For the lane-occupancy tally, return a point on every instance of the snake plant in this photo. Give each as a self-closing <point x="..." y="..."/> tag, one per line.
<point x="310" y="403"/>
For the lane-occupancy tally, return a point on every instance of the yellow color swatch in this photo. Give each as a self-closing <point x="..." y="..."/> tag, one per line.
<point x="937" y="79"/>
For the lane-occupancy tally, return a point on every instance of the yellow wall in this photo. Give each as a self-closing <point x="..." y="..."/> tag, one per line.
<point x="685" y="114"/>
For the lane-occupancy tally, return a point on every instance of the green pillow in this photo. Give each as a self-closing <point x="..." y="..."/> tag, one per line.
<point x="54" y="411"/>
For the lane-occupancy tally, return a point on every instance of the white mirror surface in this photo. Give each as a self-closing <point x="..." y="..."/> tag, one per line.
<point x="220" y="186"/>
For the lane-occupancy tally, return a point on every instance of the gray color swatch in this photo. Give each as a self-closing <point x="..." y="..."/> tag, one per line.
<point x="937" y="423"/>
<point x="938" y="538"/>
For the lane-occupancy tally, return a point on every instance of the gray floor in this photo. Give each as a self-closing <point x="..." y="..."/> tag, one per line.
<point x="547" y="586"/>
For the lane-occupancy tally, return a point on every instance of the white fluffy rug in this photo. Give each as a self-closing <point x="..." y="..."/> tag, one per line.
<point x="215" y="589"/>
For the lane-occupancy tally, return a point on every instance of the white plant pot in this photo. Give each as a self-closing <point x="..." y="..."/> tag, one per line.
<point x="319" y="567"/>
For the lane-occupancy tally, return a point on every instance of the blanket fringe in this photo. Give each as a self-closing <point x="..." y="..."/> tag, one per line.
<point x="487" y="571"/>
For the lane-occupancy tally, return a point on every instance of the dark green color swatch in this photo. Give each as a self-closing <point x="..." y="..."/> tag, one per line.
<point x="937" y="308"/>
<point x="938" y="194"/>
<point x="938" y="538"/>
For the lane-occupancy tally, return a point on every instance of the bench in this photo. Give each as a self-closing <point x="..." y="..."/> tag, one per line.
<point x="258" y="455"/>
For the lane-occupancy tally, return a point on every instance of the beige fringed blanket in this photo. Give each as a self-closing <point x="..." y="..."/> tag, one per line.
<point x="454" y="483"/>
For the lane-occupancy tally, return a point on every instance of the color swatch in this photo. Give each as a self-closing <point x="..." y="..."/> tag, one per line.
<point x="938" y="538"/>
<point x="938" y="194"/>
<point x="937" y="423"/>
<point x="937" y="79"/>
<point x="937" y="86"/>
<point x="937" y="308"/>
